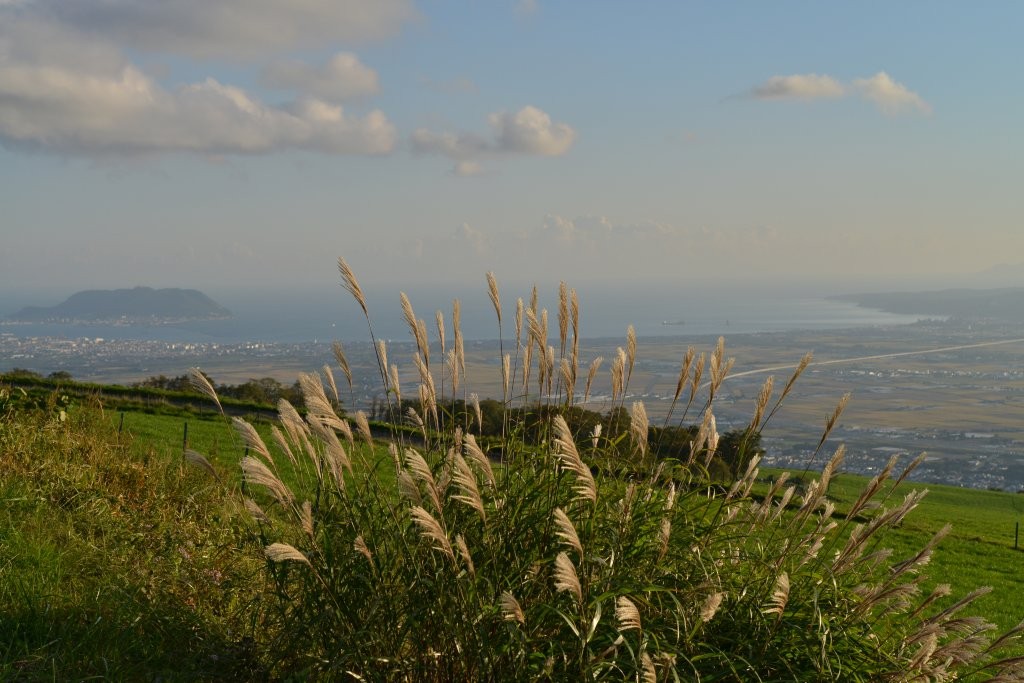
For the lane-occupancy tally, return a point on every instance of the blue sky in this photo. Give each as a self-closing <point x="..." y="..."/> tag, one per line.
<point x="251" y="142"/>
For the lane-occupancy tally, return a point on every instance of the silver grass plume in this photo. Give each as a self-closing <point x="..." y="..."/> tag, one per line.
<point x="198" y="459"/>
<point x="256" y="511"/>
<point x="460" y="543"/>
<point x="351" y="285"/>
<point x="563" y="315"/>
<point x="595" y="365"/>
<point x="432" y="530"/>
<point x="492" y="290"/>
<point x="626" y="614"/>
<point x="330" y="382"/>
<point x="565" y="577"/>
<point x="306" y="518"/>
<point x="282" y="552"/>
<point x="395" y="384"/>
<point x="571" y="460"/>
<point x="466" y="481"/>
<point x="565" y="531"/>
<point x="476" y="455"/>
<point x="510" y="608"/>
<point x="252" y="438"/>
<point x="360" y="547"/>
<point x="474" y="400"/>
<point x="710" y="607"/>
<point x="363" y="426"/>
<point x="780" y="596"/>
<point x="256" y="473"/>
<point x="339" y="355"/>
<point x="421" y="471"/>
<point x="638" y="426"/>
<point x="200" y="383"/>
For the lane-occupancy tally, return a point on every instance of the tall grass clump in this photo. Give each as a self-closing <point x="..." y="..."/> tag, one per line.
<point x="572" y="556"/>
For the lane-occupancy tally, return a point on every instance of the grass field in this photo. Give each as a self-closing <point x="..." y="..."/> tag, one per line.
<point x="122" y="560"/>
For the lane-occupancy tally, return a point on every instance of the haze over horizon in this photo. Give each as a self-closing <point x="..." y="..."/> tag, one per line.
<point x="230" y="144"/>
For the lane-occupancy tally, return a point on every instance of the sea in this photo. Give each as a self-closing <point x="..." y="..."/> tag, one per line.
<point x="323" y="314"/>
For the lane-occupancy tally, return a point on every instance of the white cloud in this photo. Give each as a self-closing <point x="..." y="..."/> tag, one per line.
<point x="230" y="28"/>
<point x="889" y="96"/>
<point x="342" y="78"/>
<point x="529" y="131"/>
<point x="65" y="93"/>
<point x="799" y="86"/>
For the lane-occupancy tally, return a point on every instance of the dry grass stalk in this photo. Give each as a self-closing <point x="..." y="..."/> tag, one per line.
<point x="763" y="397"/>
<point x="439" y="320"/>
<point x="460" y="350"/>
<point x="256" y="511"/>
<point x="595" y="435"/>
<point x="664" y="536"/>
<point x="460" y="543"/>
<point x="618" y="374"/>
<point x="630" y="354"/>
<point x="780" y="596"/>
<point x="351" y="285"/>
<point x="282" y="443"/>
<point x="282" y="552"/>
<point x="432" y="530"/>
<point x="408" y="488"/>
<point x="363" y="425"/>
<point x="571" y="460"/>
<point x="684" y="372"/>
<point x="382" y="355"/>
<point x="649" y="674"/>
<point x="476" y="454"/>
<point x="639" y="426"/>
<point x="396" y="385"/>
<point x="698" y="372"/>
<point x="595" y="365"/>
<point x="292" y="422"/>
<point x="254" y="472"/>
<point x="421" y="331"/>
<point x="306" y="518"/>
<point x="252" y="438"/>
<point x="465" y="479"/>
<point x="330" y="382"/>
<point x="410" y="320"/>
<point x="474" y="401"/>
<point x="563" y="315"/>
<point x="626" y="614"/>
<point x="452" y="362"/>
<point x="566" y="373"/>
<point x="510" y="608"/>
<point x="422" y="472"/>
<point x="565" y="577"/>
<point x="506" y="375"/>
<point x="198" y="381"/>
<point x="872" y="488"/>
<point x="565" y="530"/>
<point x="519" y="322"/>
<point x="574" y="320"/>
<point x="339" y="355"/>
<point x="360" y="547"/>
<point x="200" y="460"/>
<point x="549" y="370"/>
<point x="710" y="606"/>
<point x="492" y="291"/>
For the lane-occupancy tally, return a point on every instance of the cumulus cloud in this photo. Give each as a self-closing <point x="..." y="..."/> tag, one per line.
<point x="887" y="95"/>
<point x="342" y="78"/>
<point x="799" y="86"/>
<point x="230" y="28"/>
<point x="529" y="131"/>
<point x="475" y="238"/>
<point x="64" y="92"/>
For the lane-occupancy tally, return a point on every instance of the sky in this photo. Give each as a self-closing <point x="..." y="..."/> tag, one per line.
<point x="250" y="143"/>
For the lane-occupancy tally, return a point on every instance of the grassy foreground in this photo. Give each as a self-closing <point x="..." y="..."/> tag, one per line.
<point x="128" y="554"/>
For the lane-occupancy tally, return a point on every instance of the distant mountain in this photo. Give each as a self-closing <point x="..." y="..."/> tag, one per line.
<point x="142" y="305"/>
<point x="1005" y="303"/>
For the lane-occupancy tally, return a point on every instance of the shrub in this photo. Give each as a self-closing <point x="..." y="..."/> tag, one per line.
<point x="429" y="561"/>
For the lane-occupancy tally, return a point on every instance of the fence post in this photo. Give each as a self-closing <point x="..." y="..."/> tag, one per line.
<point x="184" y="439"/>
<point x="120" y="427"/>
<point x="1016" y="534"/>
